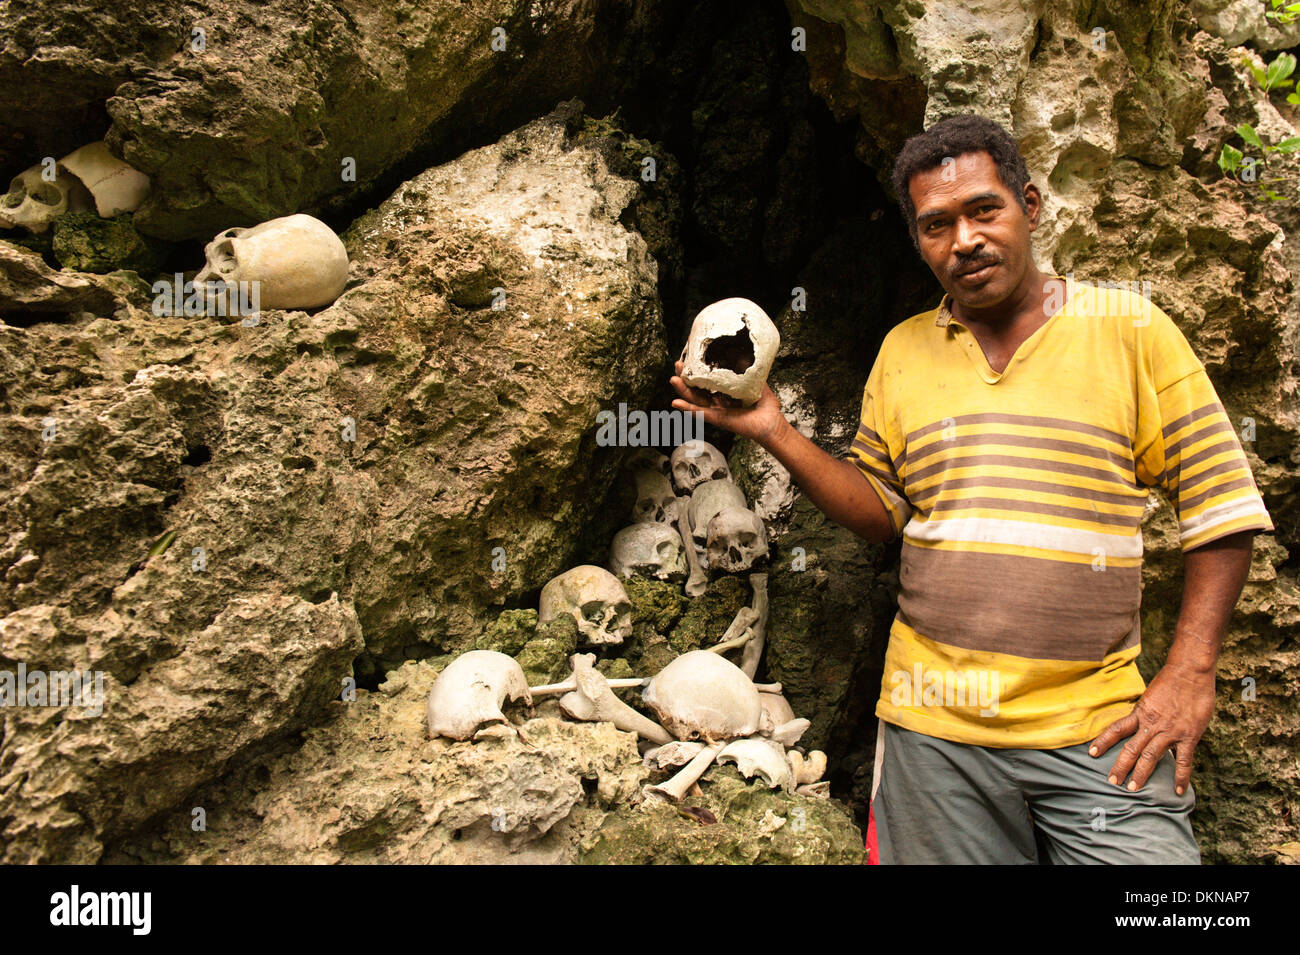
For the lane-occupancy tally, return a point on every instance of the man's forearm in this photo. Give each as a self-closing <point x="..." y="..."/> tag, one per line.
<point x="1213" y="576"/>
<point x="834" y="485"/>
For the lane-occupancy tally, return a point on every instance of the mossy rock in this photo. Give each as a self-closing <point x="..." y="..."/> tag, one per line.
<point x="84" y="242"/>
<point x="509" y="632"/>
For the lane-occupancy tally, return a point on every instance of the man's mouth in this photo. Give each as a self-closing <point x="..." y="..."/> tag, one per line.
<point x="978" y="273"/>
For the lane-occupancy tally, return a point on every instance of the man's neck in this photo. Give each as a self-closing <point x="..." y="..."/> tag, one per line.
<point x="1024" y="306"/>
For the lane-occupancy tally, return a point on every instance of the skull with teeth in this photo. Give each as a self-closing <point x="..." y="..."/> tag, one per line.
<point x="648" y="550"/>
<point x="297" y="261"/>
<point x="594" y="598"/>
<point x="34" y="202"/>
<point x="736" y="538"/>
<point x="694" y="462"/>
<point x="655" y="501"/>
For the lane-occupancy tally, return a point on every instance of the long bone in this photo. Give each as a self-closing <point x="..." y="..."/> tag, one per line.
<point x="698" y="581"/>
<point x="676" y="787"/>
<point x="753" y="651"/>
<point x="738" y="634"/>
<point x="594" y="701"/>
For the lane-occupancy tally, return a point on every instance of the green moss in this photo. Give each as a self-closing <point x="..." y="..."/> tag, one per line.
<point x="709" y="615"/>
<point x="755" y="825"/>
<point x="509" y="632"/>
<point x="86" y="243"/>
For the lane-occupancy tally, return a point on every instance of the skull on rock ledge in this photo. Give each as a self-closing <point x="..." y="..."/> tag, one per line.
<point x="594" y="598"/>
<point x="34" y="202"/>
<point x="296" y="261"/>
<point x="648" y="550"/>
<point x="707" y="501"/>
<point x="694" y="462"/>
<point x="735" y="539"/>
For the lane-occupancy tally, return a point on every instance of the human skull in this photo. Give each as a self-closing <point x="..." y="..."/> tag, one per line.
<point x="650" y="460"/>
<point x="655" y="501"/>
<point x="593" y="597"/>
<point x="736" y="538"/>
<point x="695" y="462"/>
<point x="297" y="261"/>
<point x="116" y="186"/>
<point x="33" y="202"/>
<point x="707" y="500"/>
<point x="730" y="350"/>
<point x="702" y="695"/>
<point x="471" y="691"/>
<point x="765" y="758"/>
<point x="648" y="550"/>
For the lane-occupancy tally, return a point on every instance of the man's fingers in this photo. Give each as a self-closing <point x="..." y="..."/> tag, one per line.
<point x="693" y="395"/>
<point x="1146" y="764"/>
<point x="1113" y="733"/>
<point x="1183" y="770"/>
<point x="1128" y="755"/>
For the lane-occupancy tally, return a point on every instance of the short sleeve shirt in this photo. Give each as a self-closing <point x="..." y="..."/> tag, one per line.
<point x="1019" y="496"/>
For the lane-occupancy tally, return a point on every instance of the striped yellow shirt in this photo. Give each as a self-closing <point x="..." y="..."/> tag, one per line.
<point x="1020" y="498"/>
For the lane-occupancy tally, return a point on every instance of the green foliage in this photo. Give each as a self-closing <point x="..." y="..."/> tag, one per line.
<point x="1287" y="13"/>
<point x="1276" y="75"/>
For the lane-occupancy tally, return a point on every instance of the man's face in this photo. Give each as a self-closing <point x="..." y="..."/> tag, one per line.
<point x="968" y="220"/>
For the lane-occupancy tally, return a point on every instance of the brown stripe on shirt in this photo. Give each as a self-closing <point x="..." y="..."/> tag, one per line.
<point x="1025" y="606"/>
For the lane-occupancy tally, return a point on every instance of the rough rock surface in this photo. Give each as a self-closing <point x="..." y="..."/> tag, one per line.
<point x="280" y="107"/>
<point x="367" y="786"/>
<point x="289" y="542"/>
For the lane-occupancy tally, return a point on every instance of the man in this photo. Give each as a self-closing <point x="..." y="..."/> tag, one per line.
<point x="1011" y="435"/>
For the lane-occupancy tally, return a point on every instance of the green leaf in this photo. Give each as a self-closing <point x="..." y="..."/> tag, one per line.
<point x="1257" y="72"/>
<point x="1229" y="159"/>
<point x="1288" y="145"/>
<point x="1247" y="132"/>
<point x="162" y="543"/>
<point x="1293" y="98"/>
<point x="1281" y="67"/>
<point x="1270" y="194"/>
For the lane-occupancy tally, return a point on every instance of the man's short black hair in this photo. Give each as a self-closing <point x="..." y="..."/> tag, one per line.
<point x="953" y="137"/>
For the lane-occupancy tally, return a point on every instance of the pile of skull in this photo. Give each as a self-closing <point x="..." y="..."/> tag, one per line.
<point x="690" y="520"/>
<point x="296" y="261"/>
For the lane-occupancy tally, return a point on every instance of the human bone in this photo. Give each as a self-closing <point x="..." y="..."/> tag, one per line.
<point x="735" y="539"/>
<point x="694" y="462"/>
<point x="698" y="581"/>
<point x="676" y="753"/>
<point x="650" y="460"/>
<point x="753" y="651"/>
<point x="594" y="701"/>
<point x="297" y="261"/>
<point x="648" y="550"/>
<point x="776" y="706"/>
<point x="739" y="633"/>
<point x="594" y="598"/>
<point x="730" y="350"/>
<point x="655" y="500"/>
<point x="708" y="498"/>
<point x="677" y="787"/>
<point x="32" y="203"/>
<point x="821" y="790"/>
<point x="789" y="733"/>
<point x="702" y="695"/>
<point x="807" y="770"/>
<point x="116" y="186"/>
<point x="760" y="757"/>
<point x="471" y="691"/>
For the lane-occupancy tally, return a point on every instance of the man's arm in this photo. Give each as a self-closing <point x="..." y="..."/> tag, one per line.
<point x="838" y="488"/>
<point x="1177" y="706"/>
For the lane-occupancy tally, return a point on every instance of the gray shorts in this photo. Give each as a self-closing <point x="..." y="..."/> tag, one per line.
<point x="942" y="803"/>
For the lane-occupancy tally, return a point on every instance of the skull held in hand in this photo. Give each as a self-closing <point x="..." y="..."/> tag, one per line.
<point x="648" y="550"/>
<point x="730" y="350"/>
<point x="297" y="261"/>
<point x="695" y="462"/>
<point x="594" y="598"/>
<point x="655" y="501"/>
<point x="735" y="539"/>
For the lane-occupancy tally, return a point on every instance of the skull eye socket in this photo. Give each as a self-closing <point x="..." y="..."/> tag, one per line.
<point x="719" y="472"/>
<point x="593" y="611"/>
<point x="17" y="193"/>
<point x="47" y="195"/>
<point x="748" y="539"/>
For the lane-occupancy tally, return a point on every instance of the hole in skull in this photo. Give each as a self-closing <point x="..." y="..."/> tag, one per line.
<point x="733" y="352"/>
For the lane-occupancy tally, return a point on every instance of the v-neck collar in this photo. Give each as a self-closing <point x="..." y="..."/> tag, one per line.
<point x="944" y="319"/>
